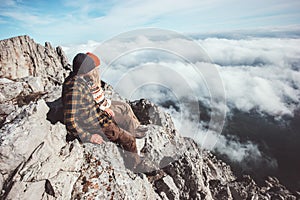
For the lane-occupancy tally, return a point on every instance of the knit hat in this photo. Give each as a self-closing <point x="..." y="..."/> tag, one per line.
<point x="95" y="58"/>
<point x="82" y="64"/>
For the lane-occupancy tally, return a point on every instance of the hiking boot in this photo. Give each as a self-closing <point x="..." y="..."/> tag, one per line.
<point x="140" y="131"/>
<point x="142" y="128"/>
<point x="139" y="135"/>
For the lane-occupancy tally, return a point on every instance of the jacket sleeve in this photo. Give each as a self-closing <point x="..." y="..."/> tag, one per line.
<point x="73" y="101"/>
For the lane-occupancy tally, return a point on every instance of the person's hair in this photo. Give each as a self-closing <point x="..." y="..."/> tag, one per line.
<point x="93" y="78"/>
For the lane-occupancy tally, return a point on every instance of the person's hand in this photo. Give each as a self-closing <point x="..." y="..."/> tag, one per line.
<point x="110" y="112"/>
<point x="96" y="139"/>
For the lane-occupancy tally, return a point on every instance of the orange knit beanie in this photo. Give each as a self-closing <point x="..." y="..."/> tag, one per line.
<point x="94" y="57"/>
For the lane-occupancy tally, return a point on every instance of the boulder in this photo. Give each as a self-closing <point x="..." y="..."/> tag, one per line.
<point x="34" y="153"/>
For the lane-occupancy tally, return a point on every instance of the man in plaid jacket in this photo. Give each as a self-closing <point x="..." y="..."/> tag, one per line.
<point x="88" y="114"/>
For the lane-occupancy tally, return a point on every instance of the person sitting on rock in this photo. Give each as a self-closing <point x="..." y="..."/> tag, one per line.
<point x="91" y="117"/>
<point x="121" y="112"/>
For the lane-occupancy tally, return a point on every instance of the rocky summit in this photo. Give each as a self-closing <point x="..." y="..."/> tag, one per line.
<point x="38" y="159"/>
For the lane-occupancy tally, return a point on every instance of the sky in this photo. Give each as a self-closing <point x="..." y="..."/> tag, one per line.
<point x="63" y="22"/>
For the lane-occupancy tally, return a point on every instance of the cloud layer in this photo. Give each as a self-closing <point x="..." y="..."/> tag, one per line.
<point x="259" y="74"/>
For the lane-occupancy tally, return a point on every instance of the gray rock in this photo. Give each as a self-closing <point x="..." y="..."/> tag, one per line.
<point x="6" y="108"/>
<point x="21" y="57"/>
<point x="35" y="83"/>
<point x="32" y="151"/>
<point x="44" y="68"/>
<point x="104" y="176"/>
<point x="10" y="89"/>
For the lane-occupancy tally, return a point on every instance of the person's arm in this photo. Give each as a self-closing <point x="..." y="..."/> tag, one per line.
<point x="100" y="98"/>
<point x="72" y="101"/>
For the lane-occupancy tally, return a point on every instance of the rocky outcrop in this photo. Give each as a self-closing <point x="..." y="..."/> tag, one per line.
<point x="21" y="57"/>
<point x="38" y="161"/>
<point x="29" y="71"/>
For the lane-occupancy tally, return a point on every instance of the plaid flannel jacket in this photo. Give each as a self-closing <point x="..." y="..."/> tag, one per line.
<point x="82" y="115"/>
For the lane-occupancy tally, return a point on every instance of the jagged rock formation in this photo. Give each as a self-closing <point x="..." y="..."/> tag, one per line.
<point x="28" y="71"/>
<point x="37" y="160"/>
<point x="21" y="57"/>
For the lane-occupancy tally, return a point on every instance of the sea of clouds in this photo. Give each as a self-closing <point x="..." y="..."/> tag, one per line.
<point x="258" y="74"/>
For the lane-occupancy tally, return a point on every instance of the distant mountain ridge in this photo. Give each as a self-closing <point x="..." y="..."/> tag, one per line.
<point x="38" y="161"/>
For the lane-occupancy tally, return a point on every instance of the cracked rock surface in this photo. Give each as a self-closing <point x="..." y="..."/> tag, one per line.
<point x="39" y="161"/>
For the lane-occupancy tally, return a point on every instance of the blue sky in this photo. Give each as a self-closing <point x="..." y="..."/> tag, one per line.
<point x="69" y="22"/>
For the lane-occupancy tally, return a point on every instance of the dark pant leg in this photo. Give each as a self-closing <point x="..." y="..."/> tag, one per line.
<point x="115" y="134"/>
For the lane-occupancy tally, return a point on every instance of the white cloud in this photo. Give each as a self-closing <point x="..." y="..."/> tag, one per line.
<point x="231" y="147"/>
<point x="248" y="92"/>
<point x="236" y="151"/>
<point x="78" y="21"/>
<point x="7" y="3"/>
<point x="27" y="18"/>
<point x="253" y="51"/>
<point x="261" y="74"/>
<point x="258" y="73"/>
<point x="72" y="50"/>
